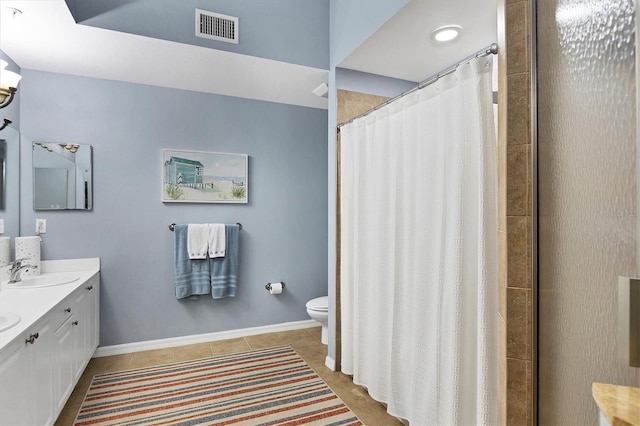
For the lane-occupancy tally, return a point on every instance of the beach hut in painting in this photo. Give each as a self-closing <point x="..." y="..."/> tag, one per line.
<point x="181" y="171"/>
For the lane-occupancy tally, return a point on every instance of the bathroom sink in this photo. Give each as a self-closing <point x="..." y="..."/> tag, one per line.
<point x="8" y="320"/>
<point x="45" y="280"/>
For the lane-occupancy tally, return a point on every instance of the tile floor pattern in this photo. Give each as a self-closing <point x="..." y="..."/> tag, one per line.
<point x="306" y="342"/>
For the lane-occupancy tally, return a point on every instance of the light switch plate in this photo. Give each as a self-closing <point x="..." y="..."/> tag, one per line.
<point x="41" y="226"/>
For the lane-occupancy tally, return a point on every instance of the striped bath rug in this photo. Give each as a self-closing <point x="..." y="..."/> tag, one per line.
<point x="272" y="386"/>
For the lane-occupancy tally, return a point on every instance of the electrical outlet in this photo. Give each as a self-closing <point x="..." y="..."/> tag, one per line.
<point x="41" y="226"/>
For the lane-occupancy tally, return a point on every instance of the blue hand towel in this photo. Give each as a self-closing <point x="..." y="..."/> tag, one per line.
<point x="224" y="270"/>
<point x="192" y="276"/>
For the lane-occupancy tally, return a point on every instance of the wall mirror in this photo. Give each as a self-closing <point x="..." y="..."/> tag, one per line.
<point x="3" y="168"/>
<point x="62" y="176"/>
<point x="9" y="185"/>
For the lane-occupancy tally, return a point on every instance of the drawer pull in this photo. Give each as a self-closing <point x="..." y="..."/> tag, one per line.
<point x="75" y="323"/>
<point x="90" y="288"/>
<point x="32" y="338"/>
<point x="68" y="310"/>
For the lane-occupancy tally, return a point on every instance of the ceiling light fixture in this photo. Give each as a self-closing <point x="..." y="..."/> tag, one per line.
<point x="8" y="84"/>
<point x="446" y="33"/>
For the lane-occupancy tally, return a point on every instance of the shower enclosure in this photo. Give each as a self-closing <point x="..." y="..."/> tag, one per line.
<point x="587" y="203"/>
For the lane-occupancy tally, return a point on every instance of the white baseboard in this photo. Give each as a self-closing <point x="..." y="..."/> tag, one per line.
<point x="200" y="338"/>
<point x="330" y="363"/>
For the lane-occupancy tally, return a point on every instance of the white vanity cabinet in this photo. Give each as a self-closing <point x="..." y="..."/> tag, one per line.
<point x="40" y="367"/>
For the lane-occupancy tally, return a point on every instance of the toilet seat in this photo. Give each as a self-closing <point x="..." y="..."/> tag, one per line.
<point x="320" y="304"/>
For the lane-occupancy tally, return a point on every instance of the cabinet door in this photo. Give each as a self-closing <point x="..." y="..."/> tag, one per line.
<point x="41" y="360"/>
<point x="63" y="373"/>
<point x="93" y="313"/>
<point x="26" y="378"/>
<point x="80" y="326"/>
<point x="14" y="385"/>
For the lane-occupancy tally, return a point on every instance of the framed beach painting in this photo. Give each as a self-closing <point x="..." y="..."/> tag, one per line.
<point x="204" y="177"/>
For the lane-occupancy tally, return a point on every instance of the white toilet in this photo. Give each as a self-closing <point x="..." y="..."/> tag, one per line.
<point x="318" y="309"/>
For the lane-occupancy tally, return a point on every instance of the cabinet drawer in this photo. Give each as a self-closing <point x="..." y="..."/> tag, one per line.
<point x="61" y="312"/>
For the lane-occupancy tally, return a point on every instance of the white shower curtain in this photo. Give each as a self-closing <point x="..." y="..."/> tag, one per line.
<point x="419" y="280"/>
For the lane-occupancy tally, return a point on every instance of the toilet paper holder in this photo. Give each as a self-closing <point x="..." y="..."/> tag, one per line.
<point x="268" y="286"/>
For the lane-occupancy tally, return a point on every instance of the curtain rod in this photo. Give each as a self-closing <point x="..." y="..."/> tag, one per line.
<point x="491" y="50"/>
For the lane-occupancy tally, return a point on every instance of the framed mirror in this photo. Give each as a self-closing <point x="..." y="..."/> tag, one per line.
<point x="62" y="176"/>
<point x="9" y="186"/>
<point x="3" y="172"/>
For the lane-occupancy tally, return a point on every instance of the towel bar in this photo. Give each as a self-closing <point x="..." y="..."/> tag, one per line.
<point x="172" y="226"/>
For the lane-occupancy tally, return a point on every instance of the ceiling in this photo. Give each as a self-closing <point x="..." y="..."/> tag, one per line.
<point x="45" y="37"/>
<point x="419" y="57"/>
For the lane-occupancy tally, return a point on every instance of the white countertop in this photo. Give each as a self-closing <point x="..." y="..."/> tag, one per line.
<point x="32" y="304"/>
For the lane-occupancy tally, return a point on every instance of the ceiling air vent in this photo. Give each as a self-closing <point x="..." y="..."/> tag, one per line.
<point x="216" y="26"/>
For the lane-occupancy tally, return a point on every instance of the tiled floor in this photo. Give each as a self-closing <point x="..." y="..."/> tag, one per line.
<point x="306" y="342"/>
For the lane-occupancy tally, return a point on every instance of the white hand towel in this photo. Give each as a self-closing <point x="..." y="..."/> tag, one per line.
<point x="197" y="241"/>
<point x="217" y="240"/>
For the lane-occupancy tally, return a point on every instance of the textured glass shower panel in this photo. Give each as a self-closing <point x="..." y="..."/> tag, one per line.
<point x="587" y="198"/>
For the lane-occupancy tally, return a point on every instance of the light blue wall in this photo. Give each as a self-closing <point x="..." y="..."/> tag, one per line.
<point x="294" y="31"/>
<point x="289" y="226"/>
<point x="351" y="23"/>
<point x="354" y="21"/>
<point x="284" y="225"/>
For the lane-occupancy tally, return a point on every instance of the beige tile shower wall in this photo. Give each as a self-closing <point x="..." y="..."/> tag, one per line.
<point x="515" y="206"/>
<point x="351" y="104"/>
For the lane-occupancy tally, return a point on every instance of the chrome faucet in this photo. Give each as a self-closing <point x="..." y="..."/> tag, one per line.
<point x="16" y="270"/>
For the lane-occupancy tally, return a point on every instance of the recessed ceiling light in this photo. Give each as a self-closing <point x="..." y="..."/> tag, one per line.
<point x="446" y="33"/>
